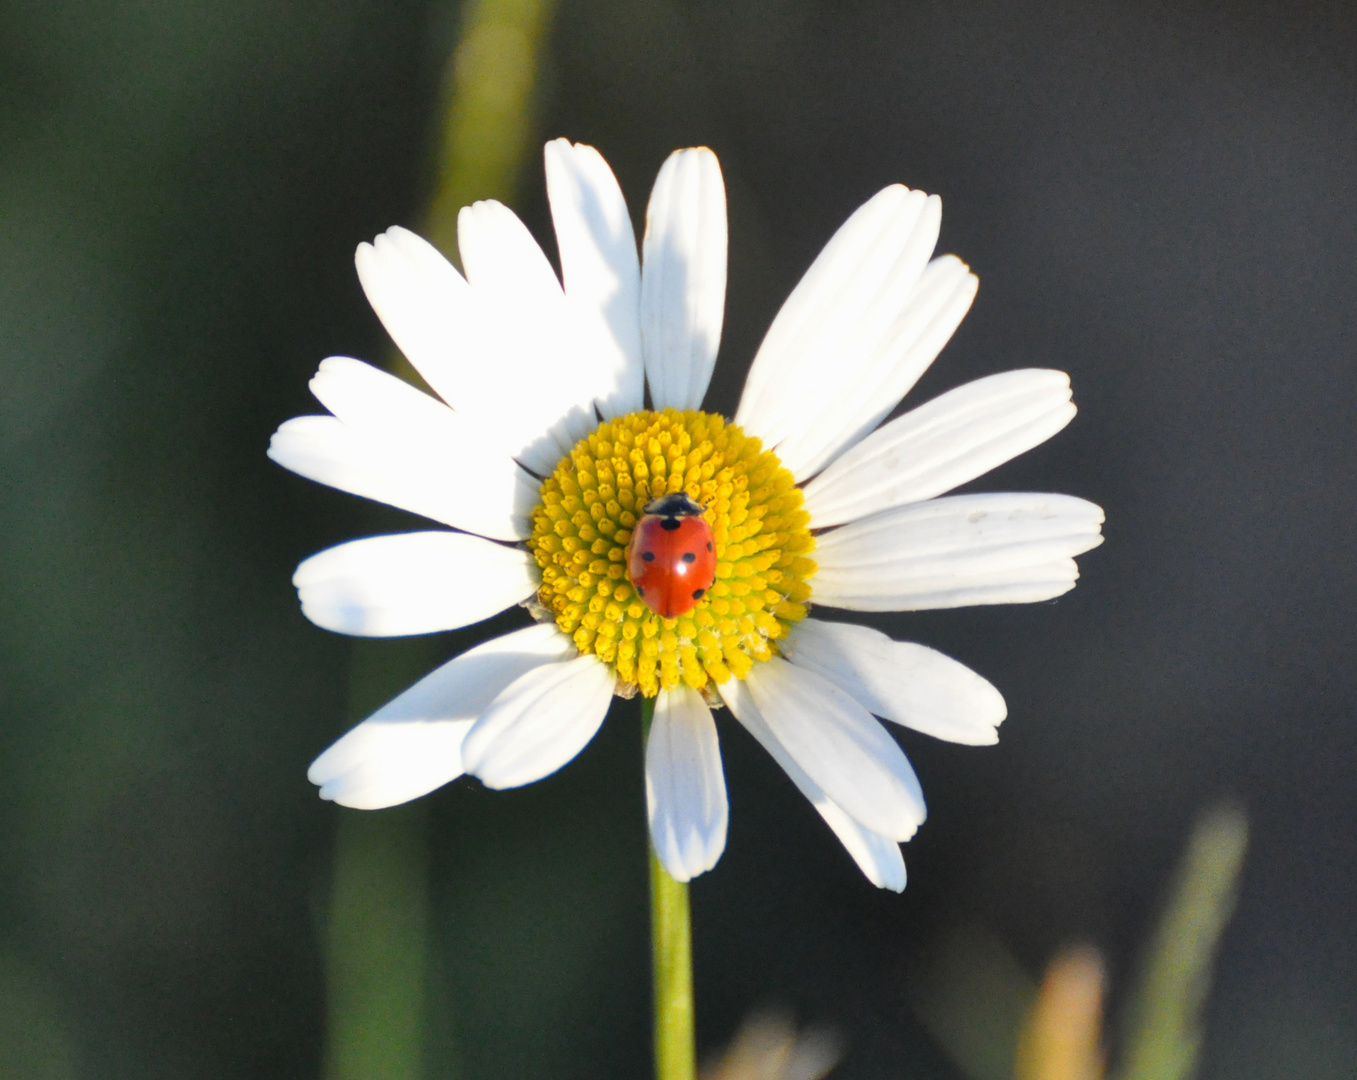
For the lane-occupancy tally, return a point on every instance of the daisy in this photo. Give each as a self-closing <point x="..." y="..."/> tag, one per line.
<point x="540" y="454"/>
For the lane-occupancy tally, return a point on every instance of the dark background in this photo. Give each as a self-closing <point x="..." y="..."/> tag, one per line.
<point x="1159" y="199"/>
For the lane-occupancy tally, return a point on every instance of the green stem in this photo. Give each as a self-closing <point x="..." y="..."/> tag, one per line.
<point x="671" y="954"/>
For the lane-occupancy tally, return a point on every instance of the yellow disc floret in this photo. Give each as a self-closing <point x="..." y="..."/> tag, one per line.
<point x="592" y="501"/>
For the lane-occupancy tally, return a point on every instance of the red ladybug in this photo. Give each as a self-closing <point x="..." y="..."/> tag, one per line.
<point x="671" y="559"/>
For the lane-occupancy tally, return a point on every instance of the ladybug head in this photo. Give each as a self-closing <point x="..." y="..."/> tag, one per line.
<point x="676" y="504"/>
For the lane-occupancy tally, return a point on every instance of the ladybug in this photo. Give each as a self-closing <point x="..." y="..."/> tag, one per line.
<point x="671" y="559"/>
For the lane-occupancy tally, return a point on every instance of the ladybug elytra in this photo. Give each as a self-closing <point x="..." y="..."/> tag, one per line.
<point x="671" y="559"/>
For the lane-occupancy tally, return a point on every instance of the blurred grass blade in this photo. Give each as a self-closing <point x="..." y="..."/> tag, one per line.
<point x="375" y="947"/>
<point x="1163" y="1031"/>
<point x="768" y="1046"/>
<point x="490" y="116"/>
<point x="1062" y="1039"/>
<point x="378" y="932"/>
<point x="973" y="1000"/>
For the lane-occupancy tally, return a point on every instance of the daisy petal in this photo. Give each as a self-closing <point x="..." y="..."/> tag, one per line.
<point x="412" y="583"/>
<point x="599" y="263"/>
<point x="525" y="304"/>
<point x="386" y="761"/>
<point x="539" y="722"/>
<point x="323" y="449"/>
<point x="840" y="745"/>
<point x="856" y="402"/>
<point x="941" y="445"/>
<point x="840" y="282"/>
<point x="502" y="258"/>
<point x="411" y="437"/>
<point x="413" y="744"/>
<point x="877" y="856"/>
<point x="683" y="278"/>
<point x="851" y="330"/>
<point x="685" y="785"/>
<point x="999" y="548"/>
<point x="424" y="303"/>
<point x="479" y="358"/>
<point x="899" y="681"/>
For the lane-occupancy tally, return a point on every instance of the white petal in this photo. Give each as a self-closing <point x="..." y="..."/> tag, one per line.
<point x="524" y="302"/>
<point x="413" y="744"/>
<point x="421" y="450"/>
<point x="685" y="785"/>
<point x="480" y="358"/>
<point x="326" y="450"/>
<point x="323" y="449"/>
<point x="857" y="400"/>
<point x="863" y="252"/>
<point x="501" y="257"/>
<point x="425" y="305"/>
<point x="599" y="263"/>
<point x="856" y="333"/>
<point x="936" y="447"/>
<point x="539" y="722"/>
<point x="877" y="856"/>
<point x="900" y="681"/>
<point x="1000" y="548"/>
<point x="683" y="278"/>
<point x="840" y="745"/>
<point x="553" y="346"/>
<point x="412" y="583"/>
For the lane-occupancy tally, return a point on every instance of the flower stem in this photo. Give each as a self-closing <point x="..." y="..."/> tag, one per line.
<point x="671" y="954"/>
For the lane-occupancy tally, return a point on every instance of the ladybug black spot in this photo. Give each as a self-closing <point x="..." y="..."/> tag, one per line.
<point x="640" y="591"/>
<point x="697" y="593"/>
<point x="669" y="524"/>
<point x="689" y="557"/>
<point x="649" y="556"/>
<point x="708" y="545"/>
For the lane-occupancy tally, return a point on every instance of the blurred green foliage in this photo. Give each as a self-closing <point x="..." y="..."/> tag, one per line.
<point x="1163" y="1031"/>
<point x="980" y="1004"/>
<point x="491" y="111"/>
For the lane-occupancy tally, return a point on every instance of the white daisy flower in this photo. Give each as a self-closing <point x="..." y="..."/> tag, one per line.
<point x="543" y="456"/>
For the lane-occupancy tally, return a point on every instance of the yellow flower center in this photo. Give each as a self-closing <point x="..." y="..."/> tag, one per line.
<point x="594" y="498"/>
